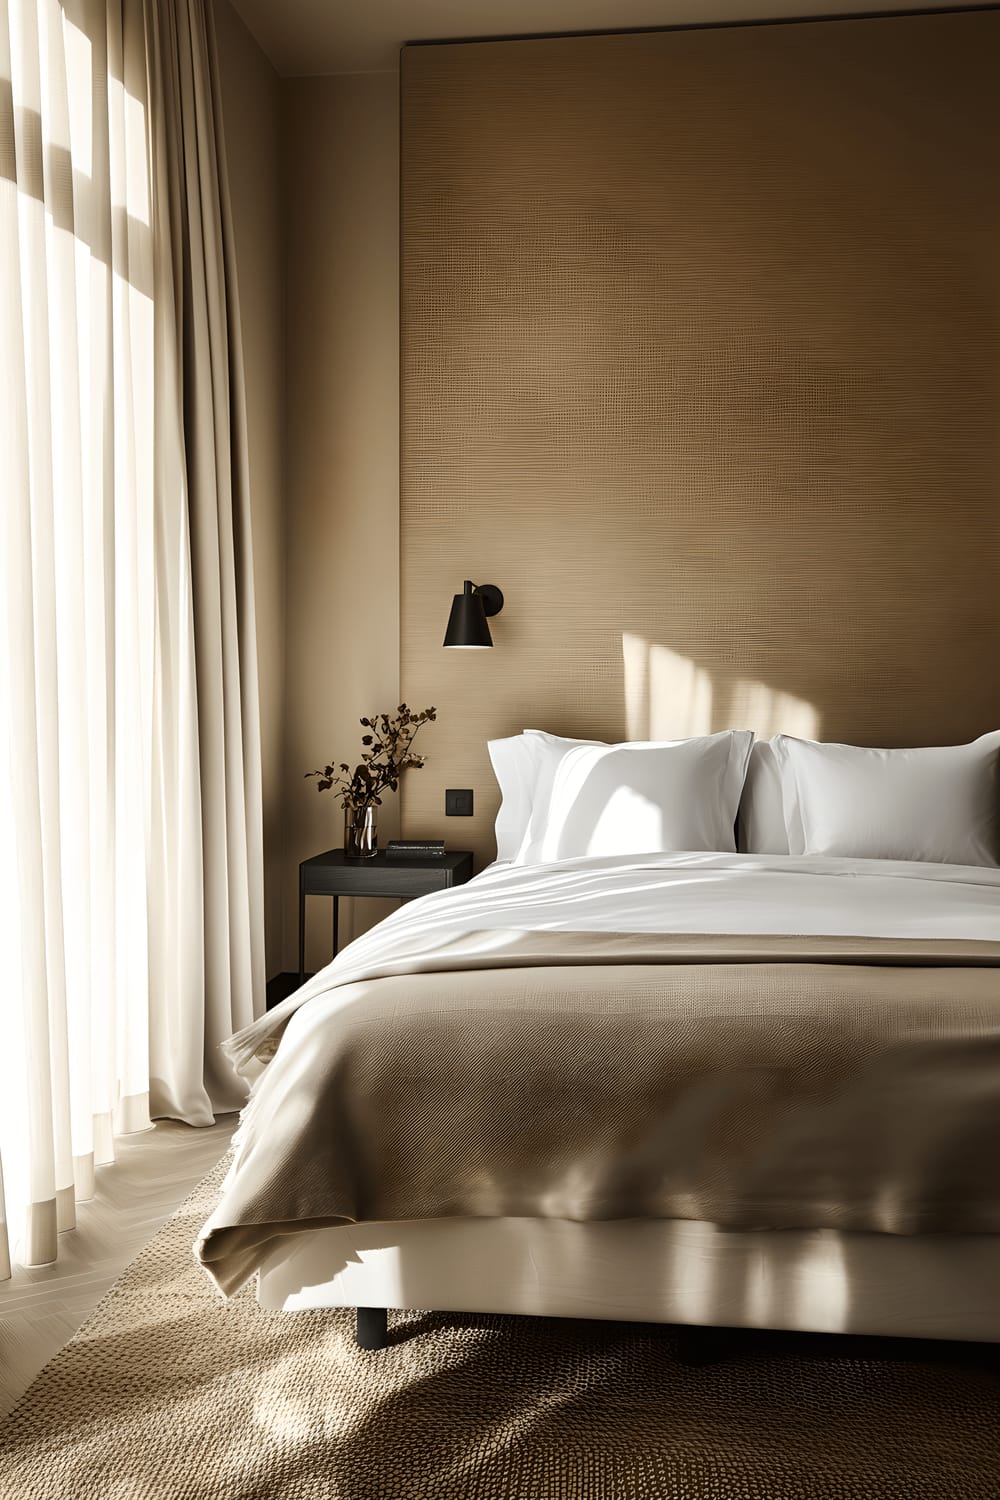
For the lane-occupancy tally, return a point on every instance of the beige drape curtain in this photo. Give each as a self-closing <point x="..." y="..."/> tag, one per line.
<point x="130" y="842"/>
<point x="212" y="856"/>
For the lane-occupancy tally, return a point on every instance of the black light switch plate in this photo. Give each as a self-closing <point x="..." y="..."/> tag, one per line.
<point x="458" y="804"/>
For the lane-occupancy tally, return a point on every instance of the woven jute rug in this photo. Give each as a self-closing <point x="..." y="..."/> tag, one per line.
<point x="167" y="1393"/>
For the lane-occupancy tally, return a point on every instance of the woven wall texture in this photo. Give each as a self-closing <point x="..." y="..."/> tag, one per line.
<point x="701" y="366"/>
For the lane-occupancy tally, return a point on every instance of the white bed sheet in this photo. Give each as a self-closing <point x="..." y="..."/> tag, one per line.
<point x="800" y="895"/>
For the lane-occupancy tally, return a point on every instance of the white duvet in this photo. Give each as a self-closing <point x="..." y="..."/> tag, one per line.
<point x="666" y="893"/>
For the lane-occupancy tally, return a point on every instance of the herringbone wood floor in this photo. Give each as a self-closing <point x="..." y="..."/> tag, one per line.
<point x="41" y="1308"/>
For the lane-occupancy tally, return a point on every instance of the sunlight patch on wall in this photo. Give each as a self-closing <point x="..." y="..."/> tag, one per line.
<point x="767" y="711"/>
<point x="666" y="695"/>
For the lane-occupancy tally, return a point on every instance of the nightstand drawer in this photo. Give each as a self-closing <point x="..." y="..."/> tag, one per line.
<point x="395" y="879"/>
<point x="333" y="874"/>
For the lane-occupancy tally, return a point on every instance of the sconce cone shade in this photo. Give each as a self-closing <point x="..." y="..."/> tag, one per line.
<point x="467" y="625"/>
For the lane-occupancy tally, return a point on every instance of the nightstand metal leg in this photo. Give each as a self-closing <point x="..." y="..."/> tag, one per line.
<point x="336" y="935"/>
<point x="302" y="936"/>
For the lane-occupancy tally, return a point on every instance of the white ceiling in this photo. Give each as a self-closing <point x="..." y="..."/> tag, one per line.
<point x="361" y="36"/>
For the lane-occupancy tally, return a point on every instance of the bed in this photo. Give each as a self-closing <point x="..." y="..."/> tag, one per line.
<point x="712" y="1088"/>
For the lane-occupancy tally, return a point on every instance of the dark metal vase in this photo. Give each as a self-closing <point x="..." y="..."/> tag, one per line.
<point x="360" y="832"/>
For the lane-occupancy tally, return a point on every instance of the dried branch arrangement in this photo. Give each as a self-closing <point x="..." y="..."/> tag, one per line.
<point x="386" y="755"/>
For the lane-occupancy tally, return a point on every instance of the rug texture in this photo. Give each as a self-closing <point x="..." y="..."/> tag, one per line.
<point x="168" y="1393"/>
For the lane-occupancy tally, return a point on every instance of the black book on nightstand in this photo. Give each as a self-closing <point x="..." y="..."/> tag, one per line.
<point x="415" y="849"/>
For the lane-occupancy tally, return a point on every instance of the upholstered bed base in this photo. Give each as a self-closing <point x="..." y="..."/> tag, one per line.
<point x="664" y="1271"/>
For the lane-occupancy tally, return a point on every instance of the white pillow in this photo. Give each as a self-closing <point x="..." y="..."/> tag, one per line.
<point x="515" y="762"/>
<point x="937" y="804"/>
<point x="646" y="797"/>
<point x="760" y="827"/>
<point x="515" y="766"/>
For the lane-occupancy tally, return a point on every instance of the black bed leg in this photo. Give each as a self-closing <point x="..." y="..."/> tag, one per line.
<point x="371" y="1327"/>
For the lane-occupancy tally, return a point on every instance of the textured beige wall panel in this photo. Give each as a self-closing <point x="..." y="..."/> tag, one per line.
<point x="701" y="366"/>
<point x="341" y="176"/>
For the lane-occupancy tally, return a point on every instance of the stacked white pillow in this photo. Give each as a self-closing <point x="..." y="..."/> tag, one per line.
<point x="515" y="766"/>
<point x="574" y="798"/>
<point x="760" y="827"/>
<point x="564" y="798"/>
<point x="937" y="804"/>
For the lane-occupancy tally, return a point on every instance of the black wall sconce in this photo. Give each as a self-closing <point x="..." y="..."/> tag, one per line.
<point x="467" y="627"/>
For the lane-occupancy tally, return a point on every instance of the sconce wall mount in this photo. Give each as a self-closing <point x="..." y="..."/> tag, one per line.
<point x="467" y="627"/>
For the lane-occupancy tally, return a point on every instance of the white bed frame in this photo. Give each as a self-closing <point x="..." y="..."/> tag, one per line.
<point x="643" y="1270"/>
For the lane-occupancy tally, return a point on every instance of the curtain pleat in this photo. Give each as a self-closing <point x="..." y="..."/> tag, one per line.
<point x="197" y="304"/>
<point x="130" y="841"/>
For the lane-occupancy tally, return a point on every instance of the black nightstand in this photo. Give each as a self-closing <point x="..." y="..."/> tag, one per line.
<point x="333" y="874"/>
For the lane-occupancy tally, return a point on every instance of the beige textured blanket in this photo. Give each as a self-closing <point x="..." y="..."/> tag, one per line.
<point x="755" y="1082"/>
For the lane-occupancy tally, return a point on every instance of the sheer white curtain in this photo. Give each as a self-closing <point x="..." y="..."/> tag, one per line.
<point x="130" y="864"/>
